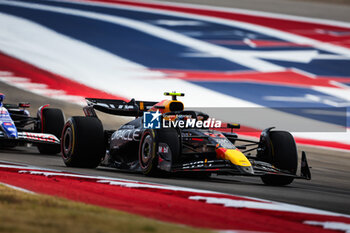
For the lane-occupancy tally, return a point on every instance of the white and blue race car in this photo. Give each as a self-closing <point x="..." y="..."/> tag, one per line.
<point x="17" y="127"/>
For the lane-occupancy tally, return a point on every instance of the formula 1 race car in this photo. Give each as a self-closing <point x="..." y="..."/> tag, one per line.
<point x="18" y="127"/>
<point x="165" y="138"/>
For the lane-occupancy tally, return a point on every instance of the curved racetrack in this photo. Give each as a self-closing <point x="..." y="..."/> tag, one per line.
<point x="329" y="188"/>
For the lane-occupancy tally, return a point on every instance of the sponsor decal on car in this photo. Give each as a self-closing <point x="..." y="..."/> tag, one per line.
<point x="38" y="137"/>
<point x="127" y="134"/>
<point x="163" y="149"/>
<point x="11" y="129"/>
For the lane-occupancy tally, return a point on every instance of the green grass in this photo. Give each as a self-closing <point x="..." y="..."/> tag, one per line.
<point x="25" y="213"/>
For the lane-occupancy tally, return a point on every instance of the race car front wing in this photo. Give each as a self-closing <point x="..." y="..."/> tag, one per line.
<point x="259" y="168"/>
<point x="31" y="137"/>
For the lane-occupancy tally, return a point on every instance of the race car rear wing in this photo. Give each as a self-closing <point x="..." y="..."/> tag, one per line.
<point x="117" y="107"/>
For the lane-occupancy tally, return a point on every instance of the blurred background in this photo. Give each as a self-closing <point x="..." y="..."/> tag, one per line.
<point x="281" y="54"/>
<point x="261" y="63"/>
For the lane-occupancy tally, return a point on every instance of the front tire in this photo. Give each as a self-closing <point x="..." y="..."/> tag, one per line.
<point x="148" y="153"/>
<point x="83" y="143"/>
<point x="52" y="122"/>
<point x="283" y="155"/>
<point x="148" y="157"/>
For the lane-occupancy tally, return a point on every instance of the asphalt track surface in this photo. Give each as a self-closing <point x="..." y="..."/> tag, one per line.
<point x="329" y="188"/>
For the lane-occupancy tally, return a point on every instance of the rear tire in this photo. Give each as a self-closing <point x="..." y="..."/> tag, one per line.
<point x="83" y="143"/>
<point x="283" y="155"/>
<point x="52" y="123"/>
<point x="148" y="149"/>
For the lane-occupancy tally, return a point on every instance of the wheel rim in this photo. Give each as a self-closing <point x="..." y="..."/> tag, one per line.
<point x="67" y="142"/>
<point x="146" y="152"/>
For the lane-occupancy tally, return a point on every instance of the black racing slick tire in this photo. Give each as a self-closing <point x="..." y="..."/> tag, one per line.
<point x="284" y="156"/>
<point x="82" y="142"/>
<point x="52" y="122"/>
<point x="148" y="149"/>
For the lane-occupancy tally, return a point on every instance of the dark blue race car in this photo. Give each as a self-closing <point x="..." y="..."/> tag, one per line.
<point x="165" y="138"/>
